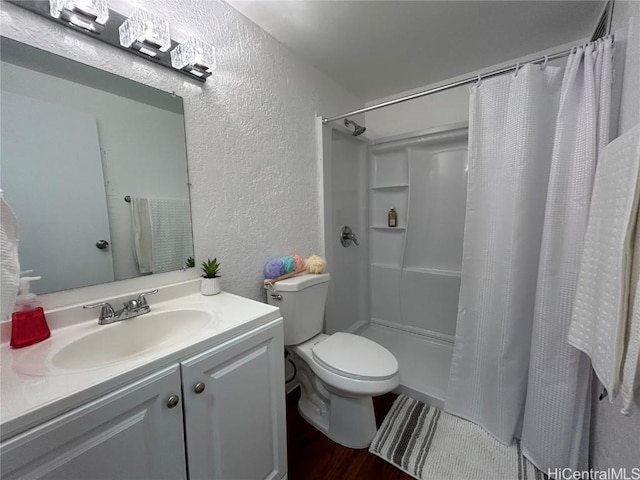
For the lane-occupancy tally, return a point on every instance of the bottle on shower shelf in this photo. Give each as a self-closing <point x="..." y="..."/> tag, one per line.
<point x="392" y="218"/>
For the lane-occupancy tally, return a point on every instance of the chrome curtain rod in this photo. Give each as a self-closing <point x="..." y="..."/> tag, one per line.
<point x="449" y="86"/>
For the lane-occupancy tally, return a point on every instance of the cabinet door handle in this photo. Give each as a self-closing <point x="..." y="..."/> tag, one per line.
<point x="199" y="387"/>
<point x="172" y="401"/>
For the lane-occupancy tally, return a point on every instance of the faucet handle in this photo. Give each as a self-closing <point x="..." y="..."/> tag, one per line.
<point x="106" y="312"/>
<point x="142" y="301"/>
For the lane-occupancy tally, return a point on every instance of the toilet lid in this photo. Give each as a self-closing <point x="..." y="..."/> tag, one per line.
<point x="356" y="357"/>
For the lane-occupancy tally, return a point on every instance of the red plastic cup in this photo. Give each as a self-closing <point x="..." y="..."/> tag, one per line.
<point x="28" y="327"/>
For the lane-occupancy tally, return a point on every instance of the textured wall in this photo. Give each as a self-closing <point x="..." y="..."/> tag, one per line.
<point x="615" y="439"/>
<point x="250" y="130"/>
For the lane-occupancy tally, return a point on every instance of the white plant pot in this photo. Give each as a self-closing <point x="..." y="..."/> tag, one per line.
<point x="210" y="286"/>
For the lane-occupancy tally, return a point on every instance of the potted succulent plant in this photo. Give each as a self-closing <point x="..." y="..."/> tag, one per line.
<point x="210" y="277"/>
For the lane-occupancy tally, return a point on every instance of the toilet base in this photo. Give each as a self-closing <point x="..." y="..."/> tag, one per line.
<point x="339" y="406"/>
<point x="351" y="422"/>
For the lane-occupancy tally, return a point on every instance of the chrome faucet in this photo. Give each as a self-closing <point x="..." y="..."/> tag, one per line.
<point x="131" y="309"/>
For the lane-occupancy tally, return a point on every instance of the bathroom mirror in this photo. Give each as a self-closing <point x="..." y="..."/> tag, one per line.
<point x="76" y="142"/>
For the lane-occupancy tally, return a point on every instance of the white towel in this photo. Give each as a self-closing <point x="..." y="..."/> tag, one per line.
<point x="9" y="264"/>
<point x="631" y="360"/>
<point x="171" y="233"/>
<point x="606" y="322"/>
<point x="141" y="234"/>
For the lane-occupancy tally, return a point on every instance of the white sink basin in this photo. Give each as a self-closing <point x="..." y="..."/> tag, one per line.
<point x="129" y="338"/>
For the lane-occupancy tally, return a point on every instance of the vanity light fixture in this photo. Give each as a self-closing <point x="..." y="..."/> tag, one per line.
<point x="146" y="33"/>
<point x="142" y="34"/>
<point x="90" y="15"/>
<point x="195" y="57"/>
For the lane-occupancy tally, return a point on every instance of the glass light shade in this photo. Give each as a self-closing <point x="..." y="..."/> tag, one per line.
<point x="147" y="29"/>
<point x="83" y="13"/>
<point x="195" y="56"/>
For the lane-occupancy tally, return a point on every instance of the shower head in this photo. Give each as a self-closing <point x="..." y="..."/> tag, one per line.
<point x="358" y="130"/>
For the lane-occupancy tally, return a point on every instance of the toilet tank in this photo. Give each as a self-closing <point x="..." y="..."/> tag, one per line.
<point x="301" y="300"/>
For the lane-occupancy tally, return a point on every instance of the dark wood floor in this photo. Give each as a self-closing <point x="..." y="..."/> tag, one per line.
<point x="312" y="456"/>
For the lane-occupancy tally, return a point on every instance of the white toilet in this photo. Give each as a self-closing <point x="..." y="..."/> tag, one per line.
<point x="338" y="373"/>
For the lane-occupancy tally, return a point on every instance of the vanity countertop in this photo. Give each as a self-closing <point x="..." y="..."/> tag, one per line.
<point x="33" y="390"/>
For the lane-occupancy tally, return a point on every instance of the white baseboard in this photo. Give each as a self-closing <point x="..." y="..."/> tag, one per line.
<point x="290" y="387"/>
<point x="421" y="396"/>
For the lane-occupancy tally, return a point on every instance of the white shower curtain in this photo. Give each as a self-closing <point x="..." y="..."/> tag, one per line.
<point x="534" y="138"/>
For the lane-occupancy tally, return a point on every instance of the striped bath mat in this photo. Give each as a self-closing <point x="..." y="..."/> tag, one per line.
<point x="430" y="444"/>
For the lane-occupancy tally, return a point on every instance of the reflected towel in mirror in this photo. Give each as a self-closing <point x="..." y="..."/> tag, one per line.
<point x="141" y="234"/>
<point x="171" y="233"/>
<point x="162" y="235"/>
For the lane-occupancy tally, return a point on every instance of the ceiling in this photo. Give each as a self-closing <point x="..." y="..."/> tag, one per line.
<point x="380" y="48"/>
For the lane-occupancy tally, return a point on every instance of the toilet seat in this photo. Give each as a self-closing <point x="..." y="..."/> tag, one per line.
<point x="355" y="357"/>
<point x="347" y="382"/>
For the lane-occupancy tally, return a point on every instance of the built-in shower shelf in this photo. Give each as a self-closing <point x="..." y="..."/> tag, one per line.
<point x="384" y="227"/>
<point x="391" y="187"/>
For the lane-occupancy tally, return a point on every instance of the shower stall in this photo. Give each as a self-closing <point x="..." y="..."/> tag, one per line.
<point x="399" y="285"/>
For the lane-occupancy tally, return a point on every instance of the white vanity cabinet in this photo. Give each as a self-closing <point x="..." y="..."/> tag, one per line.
<point x="230" y="410"/>
<point x="235" y="409"/>
<point x="129" y="433"/>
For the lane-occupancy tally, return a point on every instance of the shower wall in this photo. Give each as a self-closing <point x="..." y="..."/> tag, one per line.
<point x="400" y="286"/>
<point x="415" y="267"/>
<point x="345" y="203"/>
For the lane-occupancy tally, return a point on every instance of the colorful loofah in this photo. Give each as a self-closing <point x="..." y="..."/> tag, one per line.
<point x="299" y="261"/>
<point x="294" y="265"/>
<point x="289" y="264"/>
<point x="273" y="268"/>
<point x="315" y="264"/>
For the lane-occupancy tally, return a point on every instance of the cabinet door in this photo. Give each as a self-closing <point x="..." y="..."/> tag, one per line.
<point x="130" y="433"/>
<point x="235" y="428"/>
